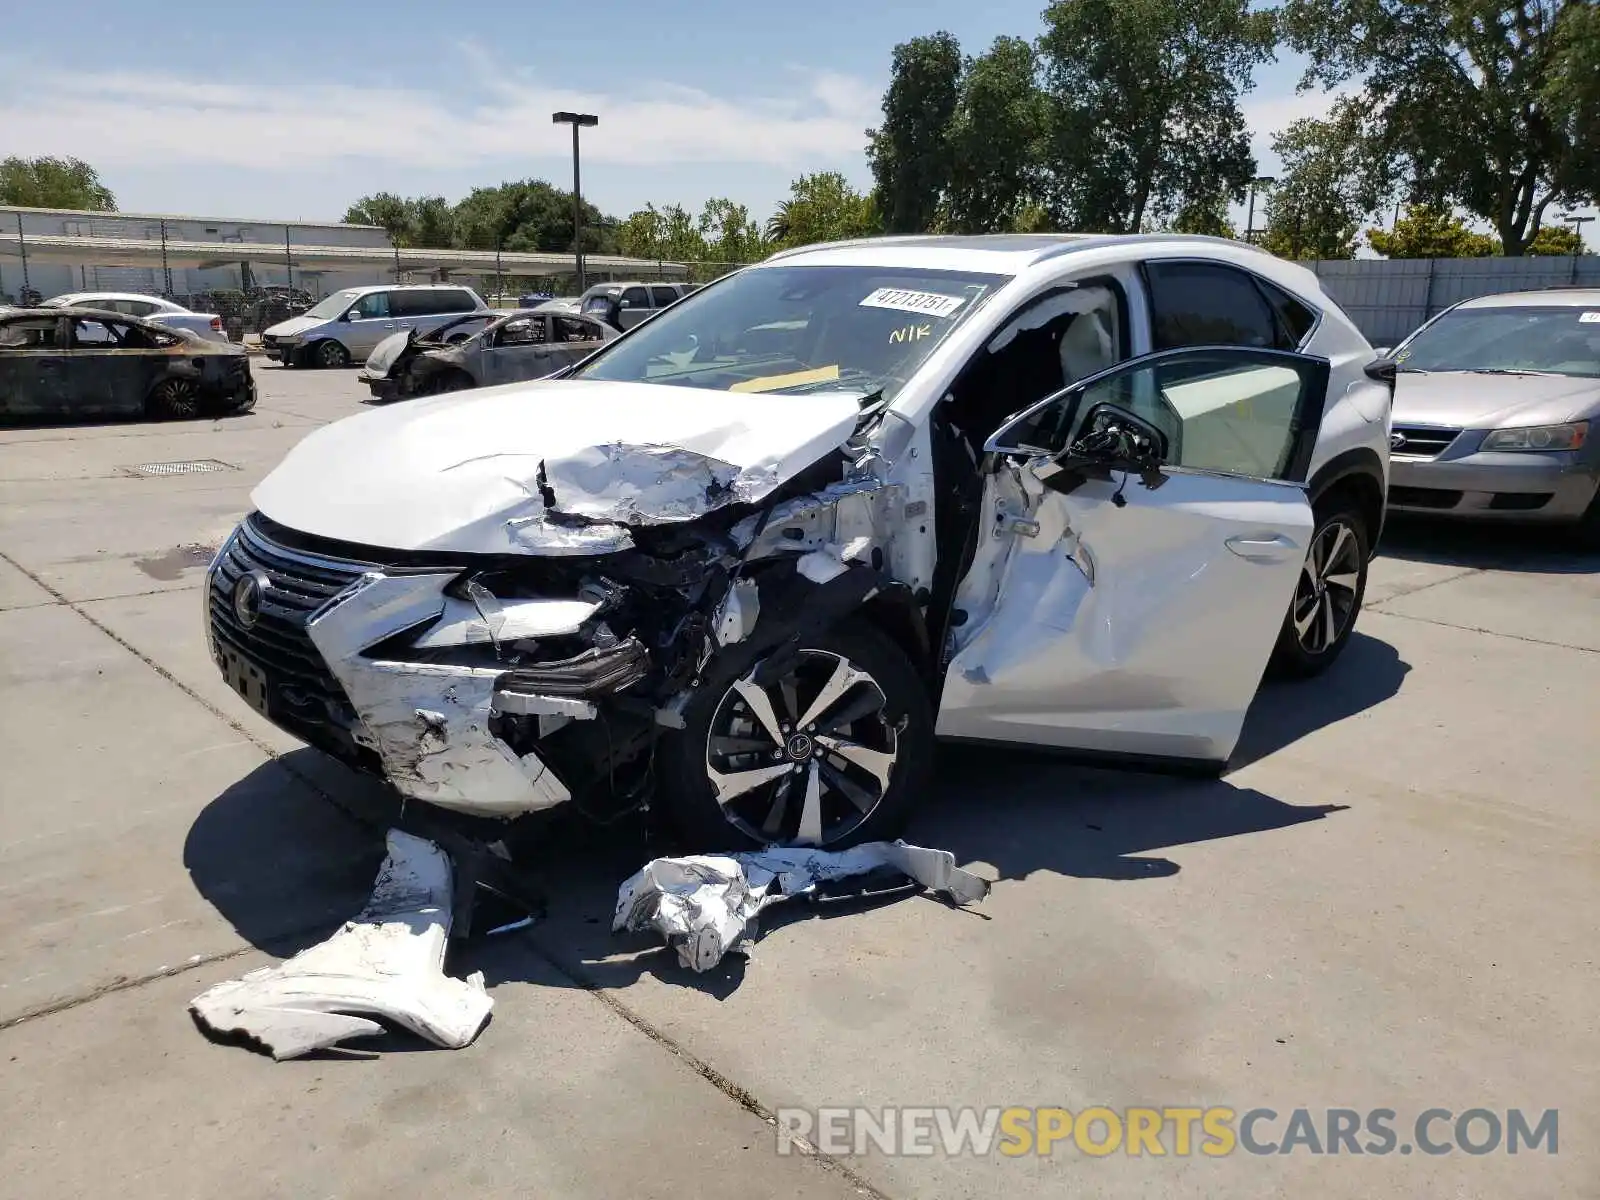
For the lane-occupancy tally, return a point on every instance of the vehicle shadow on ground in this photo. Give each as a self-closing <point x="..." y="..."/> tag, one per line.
<point x="1529" y="549"/>
<point x="285" y="867"/>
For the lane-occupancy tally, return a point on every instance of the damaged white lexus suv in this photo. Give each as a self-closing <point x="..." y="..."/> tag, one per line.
<point x="749" y="561"/>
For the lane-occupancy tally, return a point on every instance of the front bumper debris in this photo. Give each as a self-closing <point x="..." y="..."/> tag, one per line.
<point x="705" y="905"/>
<point x="388" y="962"/>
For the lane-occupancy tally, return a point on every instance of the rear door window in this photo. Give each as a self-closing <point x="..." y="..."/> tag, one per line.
<point x="1206" y="304"/>
<point x="1295" y="320"/>
<point x="663" y="296"/>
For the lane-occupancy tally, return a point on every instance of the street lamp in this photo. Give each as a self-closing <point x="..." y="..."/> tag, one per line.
<point x="1577" y="224"/>
<point x="577" y="121"/>
<point x="1260" y="181"/>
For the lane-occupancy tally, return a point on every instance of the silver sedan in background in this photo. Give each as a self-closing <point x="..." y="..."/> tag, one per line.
<point x="1495" y="411"/>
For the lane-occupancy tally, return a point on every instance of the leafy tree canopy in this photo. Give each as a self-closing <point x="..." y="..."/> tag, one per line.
<point x="1429" y="232"/>
<point x="1490" y="105"/>
<point x="1143" y="102"/>
<point x="1333" y="177"/>
<point x="910" y="153"/>
<point x="53" y="183"/>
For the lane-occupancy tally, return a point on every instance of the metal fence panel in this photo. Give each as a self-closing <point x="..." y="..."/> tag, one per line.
<point x="1388" y="298"/>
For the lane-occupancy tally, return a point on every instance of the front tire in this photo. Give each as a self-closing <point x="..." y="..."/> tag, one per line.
<point x="1327" y="596"/>
<point x="832" y="752"/>
<point x="330" y="354"/>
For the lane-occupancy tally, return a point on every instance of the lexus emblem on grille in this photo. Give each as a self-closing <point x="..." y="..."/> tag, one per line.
<point x="248" y="594"/>
<point x="1397" y="441"/>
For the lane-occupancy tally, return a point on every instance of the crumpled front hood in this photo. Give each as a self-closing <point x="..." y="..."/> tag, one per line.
<point x="293" y="326"/>
<point x="461" y="472"/>
<point x="385" y="352"/>
<point x="1466" y="400"/>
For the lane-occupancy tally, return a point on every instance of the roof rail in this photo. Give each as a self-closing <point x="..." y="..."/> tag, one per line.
<point x="844" y="242"/>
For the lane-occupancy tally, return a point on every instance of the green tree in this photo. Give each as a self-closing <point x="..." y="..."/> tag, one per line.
<point x="823" y="208"/>
<point x="996" y="140"/>
<point x="54" y="183"/>
<point x="1144" y="105"/>
<point x="432" y="222"/>
<point x="529" y="215"/>
<point x="1333" y="178"/>
<point x="1429" y="232"/>
<point x="1556" y="240"/>
<point x="1490" y="104"/>
<point x="384" y="209"/>
<point x="909" y="153"/>
<point x="1209" y="217"/>
<point x="728" y="234"/>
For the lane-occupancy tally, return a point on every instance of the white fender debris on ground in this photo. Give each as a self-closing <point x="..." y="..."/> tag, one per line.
<point x="387" y="963"/>
<point x="703" y="904"/>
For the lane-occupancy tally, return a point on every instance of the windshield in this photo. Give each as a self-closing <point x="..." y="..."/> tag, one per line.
<point x="332" y="306"/>
<point x="788" y="329"/>
<point x="1544" y="340"/>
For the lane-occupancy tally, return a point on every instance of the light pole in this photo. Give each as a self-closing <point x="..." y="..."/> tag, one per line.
<point x="577" y="121"/>
<point x="1577" y="224"/>
<point x="1260" y="181"/>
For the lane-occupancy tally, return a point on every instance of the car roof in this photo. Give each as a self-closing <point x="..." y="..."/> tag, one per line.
<point x="401" y="287"/>
<point x="1563" y="297"/>
<point x="65" y="296"/>
<point x="1004" y="253"/>
<point x="96" y="314"/>
<point x="1023" y="255"/>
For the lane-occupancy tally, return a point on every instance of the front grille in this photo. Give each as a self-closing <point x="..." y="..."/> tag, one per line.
<point x="1415" y="497"/>
<point x="305" y="698"/>
<point x="1421" y="441"/>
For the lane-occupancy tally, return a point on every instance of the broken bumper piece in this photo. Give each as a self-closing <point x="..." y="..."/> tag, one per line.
<point x="705" y="904"/>
<point x="387" y="964"/>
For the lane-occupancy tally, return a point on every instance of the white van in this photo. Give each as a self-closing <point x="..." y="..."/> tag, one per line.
<point x="347" y="326"/>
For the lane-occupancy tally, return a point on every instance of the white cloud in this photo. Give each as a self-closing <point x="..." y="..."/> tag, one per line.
<point x="479" y="113"/>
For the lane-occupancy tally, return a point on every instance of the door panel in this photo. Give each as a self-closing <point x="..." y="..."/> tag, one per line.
<point x="1131" y="609"/>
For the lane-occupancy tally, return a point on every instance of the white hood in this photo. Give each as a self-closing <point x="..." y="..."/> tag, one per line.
<point x="293" y="326"/>
<point x="461" y="472"/>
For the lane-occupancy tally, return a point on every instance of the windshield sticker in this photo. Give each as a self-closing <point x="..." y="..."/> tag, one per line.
<point x="1589" y="318"/>
<point x="931" y="304"/>
<point x="771" y="383"/>
<point x="911" y="333"/>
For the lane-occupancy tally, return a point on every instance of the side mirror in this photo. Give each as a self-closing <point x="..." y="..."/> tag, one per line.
<point x="1114" y="437"/>
<point x="1383" y="370"/>
<point x="351" y="315"/>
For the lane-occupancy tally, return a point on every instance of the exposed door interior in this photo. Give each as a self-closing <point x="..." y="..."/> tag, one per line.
<point x="1149" y="527"/>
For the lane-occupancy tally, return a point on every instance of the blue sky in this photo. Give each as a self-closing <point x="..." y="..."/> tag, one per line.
<point x="294" y="109"/>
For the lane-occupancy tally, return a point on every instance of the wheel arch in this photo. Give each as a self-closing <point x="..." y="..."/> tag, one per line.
<point x="1357" y="475"/>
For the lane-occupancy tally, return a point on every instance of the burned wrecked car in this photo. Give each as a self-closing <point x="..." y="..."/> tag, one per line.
<point x="90" y="363"/>
<point x="475" y="351"/>
<point x="747" y="562"/>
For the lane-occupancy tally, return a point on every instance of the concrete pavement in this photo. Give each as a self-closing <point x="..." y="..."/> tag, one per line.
<point x="1387" y="903"/>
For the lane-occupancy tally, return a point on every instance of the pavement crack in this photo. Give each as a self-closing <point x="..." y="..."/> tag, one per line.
<point x="1515" y="637"/>
<point x="740" y="1095"/>
<point x="1422" y="587"/>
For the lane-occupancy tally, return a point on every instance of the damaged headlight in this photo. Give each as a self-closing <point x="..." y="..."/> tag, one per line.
<point x="597" y="671"/>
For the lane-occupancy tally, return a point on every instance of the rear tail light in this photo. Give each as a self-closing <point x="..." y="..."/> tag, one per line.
<point x="216" y="323"/>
